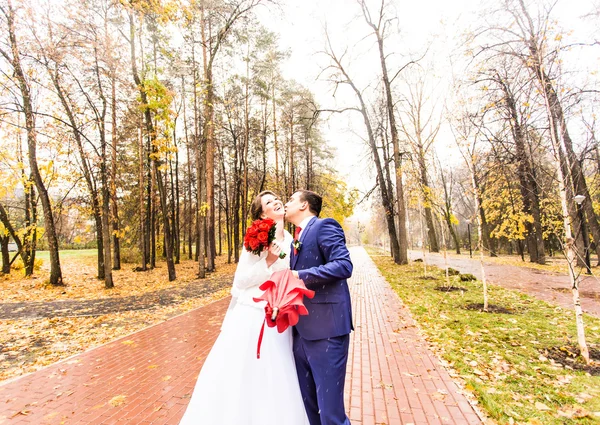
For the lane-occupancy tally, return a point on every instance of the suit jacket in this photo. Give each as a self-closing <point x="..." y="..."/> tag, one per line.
<point x="323" y="263"/>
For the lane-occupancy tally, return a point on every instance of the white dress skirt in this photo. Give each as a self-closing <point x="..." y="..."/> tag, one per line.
<point x="236" y="388"/>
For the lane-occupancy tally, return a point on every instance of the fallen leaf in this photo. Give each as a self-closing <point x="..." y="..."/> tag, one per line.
<point x="21" y="412"/>
<point x="541" y="406"/>
<point x="117" y="400"/>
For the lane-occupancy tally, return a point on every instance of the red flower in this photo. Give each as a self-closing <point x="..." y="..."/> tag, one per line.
<point x="259" y="236"/>
<point x="254" y="244"/>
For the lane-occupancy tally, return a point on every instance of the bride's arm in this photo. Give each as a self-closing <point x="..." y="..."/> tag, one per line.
<point x="252" y="270"/>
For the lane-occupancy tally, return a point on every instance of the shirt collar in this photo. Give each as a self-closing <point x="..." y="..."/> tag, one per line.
<point x="304" y="223"/>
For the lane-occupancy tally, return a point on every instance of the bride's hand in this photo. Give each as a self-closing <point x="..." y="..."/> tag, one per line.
<point x="274" y="250"/>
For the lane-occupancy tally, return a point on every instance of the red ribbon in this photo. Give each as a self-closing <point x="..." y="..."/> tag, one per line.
<point x="260" y="337"/>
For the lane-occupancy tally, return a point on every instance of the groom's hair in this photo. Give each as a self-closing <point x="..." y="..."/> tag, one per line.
<point x="256" y="208"/>
<point x="315" y="201"/>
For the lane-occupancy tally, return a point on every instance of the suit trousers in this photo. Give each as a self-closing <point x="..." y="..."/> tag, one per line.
<point x="321" y="367"/>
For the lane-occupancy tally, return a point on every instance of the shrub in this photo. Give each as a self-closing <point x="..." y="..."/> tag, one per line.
<point x="18" y="264"/>
<point x="453" y="272"/>
<point x="131" y="255"/>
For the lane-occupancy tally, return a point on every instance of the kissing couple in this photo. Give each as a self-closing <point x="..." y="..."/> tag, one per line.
<point x="299" y="378"/>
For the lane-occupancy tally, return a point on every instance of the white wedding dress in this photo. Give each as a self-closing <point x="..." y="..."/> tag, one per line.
<point x="234" y="387"/>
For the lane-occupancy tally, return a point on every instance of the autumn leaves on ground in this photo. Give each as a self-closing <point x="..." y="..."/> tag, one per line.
<point x="29" y="344"/>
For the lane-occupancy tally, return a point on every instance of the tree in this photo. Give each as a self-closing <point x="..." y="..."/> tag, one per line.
<point x="421" y="127"/>
<point x="379" y="29"/>
<point x="339" y="76"/>
<point x="13" y="57"/>
<point x="447" y="213"/>
<point x="467" y="133"/>
<point x="218" y="23"/>
<point x="155" y="98"/>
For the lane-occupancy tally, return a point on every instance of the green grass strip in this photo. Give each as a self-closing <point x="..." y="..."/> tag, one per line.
<point x="503" y="358"/>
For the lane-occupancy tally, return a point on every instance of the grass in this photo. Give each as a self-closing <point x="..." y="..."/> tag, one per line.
<point x="68" y="253"/>
<point x="503" y="359"/>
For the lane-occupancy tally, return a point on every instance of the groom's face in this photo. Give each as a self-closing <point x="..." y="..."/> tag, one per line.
<point x="294" y="207"/>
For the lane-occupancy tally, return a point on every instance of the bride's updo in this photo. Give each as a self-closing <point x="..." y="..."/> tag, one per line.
<point x="256" y="208"/>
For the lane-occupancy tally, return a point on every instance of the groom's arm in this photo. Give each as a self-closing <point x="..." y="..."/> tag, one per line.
<point x="332" y="244"/>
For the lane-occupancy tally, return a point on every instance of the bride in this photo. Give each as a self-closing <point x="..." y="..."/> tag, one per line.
<point x="234" y="387"/>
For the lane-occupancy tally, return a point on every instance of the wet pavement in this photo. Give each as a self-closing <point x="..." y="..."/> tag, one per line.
<point x="551" y="287"/>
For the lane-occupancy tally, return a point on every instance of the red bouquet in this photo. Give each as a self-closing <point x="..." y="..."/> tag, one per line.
<point x="260" y="235"/>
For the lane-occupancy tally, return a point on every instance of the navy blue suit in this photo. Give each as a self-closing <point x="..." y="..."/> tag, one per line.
<point x="321" y="339"/>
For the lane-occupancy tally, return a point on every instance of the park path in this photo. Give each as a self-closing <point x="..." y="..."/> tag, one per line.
<point x="147" y="377"/>
<point x="98" y="307"/>
<point x="550" y="287"/>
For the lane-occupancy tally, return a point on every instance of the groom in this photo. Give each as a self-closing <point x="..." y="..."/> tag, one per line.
<point x="320" y="258"/>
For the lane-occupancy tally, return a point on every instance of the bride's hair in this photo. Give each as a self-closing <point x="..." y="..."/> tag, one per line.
<point x="256" y="208"/>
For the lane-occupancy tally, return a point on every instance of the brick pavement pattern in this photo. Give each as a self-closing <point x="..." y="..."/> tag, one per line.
<point x="147" y="377"/>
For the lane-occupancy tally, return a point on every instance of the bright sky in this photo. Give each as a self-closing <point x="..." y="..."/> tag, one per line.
<point x="300" y="24"/>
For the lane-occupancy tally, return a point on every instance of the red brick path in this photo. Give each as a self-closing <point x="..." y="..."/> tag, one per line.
<point x="393" y="378"/>
<point x="147" y="377"/>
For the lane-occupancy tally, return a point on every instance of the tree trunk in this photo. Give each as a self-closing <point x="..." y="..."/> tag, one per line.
<point x="5" y="254"/>
<point x="143" y="213"/>
<point x="402" y="236"/>
<point x="99" y="238"/>
<point x="558" y="132"/>
<point x="291" y="168"/>
<point x="151" y="197"/>
<point x="113" y="179"/>
<point x="30" y="238"/>
<point x="575" y="183"/>
<point x="55" y="271"/>
<point x="227" y="208"/>
<point x="275" y="146"/>
<point x="431" y="233"/>
<point x="209" y="138"/>
<point x="108" y="281"/>
<point x="156" y="161"/>
<point x="11" y="231"/>
<point x="486" y="242"/>
<point x="528" y="185"/>
<point x="386" y="196"/>
<point x="87" y="172"/>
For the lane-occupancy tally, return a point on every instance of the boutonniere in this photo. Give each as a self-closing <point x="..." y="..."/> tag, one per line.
<point x="297" y="245"/>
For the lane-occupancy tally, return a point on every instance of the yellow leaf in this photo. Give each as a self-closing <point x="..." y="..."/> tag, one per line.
<point x="117" y="400"/>
<point x="541" y="406"/>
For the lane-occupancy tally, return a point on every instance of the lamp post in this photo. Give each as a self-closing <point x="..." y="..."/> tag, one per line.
<point x="469" y="232"/>
<point x="583" y="229"/>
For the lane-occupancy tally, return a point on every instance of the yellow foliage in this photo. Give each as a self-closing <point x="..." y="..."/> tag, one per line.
<point x="338" y="200"/>
<point x="453" y="219"/>
<point x="503" y="206"/>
